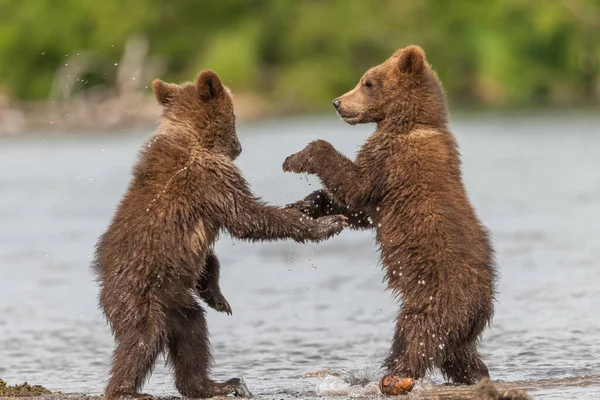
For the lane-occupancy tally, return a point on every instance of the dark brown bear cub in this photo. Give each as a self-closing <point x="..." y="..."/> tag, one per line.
<point x="159" y="246"/>
<point x="406" y="183"/>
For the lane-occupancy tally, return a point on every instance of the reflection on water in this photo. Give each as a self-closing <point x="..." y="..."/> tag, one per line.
<point x="299" y="309"/>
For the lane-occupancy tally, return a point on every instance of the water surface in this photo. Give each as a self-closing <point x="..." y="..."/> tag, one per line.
<point x="298" y="309"/>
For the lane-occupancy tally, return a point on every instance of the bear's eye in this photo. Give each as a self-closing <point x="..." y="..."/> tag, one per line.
<point x="369" y="84"/>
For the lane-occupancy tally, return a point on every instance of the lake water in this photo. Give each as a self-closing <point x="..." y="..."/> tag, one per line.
<point x="298" y="309"/>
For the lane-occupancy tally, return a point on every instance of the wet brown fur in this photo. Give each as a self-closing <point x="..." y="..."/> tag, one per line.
<point x="406" y="183"/>
<point x="158" y="248"/>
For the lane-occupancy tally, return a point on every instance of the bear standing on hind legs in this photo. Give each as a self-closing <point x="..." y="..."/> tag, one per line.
<point x="406" y="183"/>
<point x="158" y="248"/>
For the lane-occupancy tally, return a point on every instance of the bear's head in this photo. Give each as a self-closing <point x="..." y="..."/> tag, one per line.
<point x="202" y="109"/>
<point x="397" y="94"/>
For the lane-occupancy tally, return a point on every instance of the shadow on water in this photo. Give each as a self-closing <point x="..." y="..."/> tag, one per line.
<point x="298" y="308"/>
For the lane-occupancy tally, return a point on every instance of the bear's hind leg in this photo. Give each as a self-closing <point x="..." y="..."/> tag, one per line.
<point x="413" y="349"/>
<point x="397" y="351"/>
<point x="133" y="360"/>
<point x="464" y="365"/>
<point x="190" y="356"/>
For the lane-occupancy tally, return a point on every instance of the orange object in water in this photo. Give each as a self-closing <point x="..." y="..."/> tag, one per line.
<point x="394" y="385"/>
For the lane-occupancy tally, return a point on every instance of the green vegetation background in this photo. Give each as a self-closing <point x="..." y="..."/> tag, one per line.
<point x="301" y="54"/>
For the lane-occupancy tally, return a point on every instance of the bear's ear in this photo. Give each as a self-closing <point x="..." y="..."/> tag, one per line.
<point x="209" y="85"/>
<point x="163" y="91"/>
<point x="411" y="60"/>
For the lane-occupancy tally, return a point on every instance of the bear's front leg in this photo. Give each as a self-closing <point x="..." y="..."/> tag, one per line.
<point x="208" y="285"/>
<point x="340" y="176"/>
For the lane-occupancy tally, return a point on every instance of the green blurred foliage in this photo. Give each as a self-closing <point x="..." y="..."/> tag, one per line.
<point x="301" y="54"/>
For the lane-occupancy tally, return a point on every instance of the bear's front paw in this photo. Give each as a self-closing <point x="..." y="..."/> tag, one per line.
<point x="331" y="225"/>
<point x="305" y="160"/>
<point x="215" y="299"/>
<point x="219" y="303"/>
<point x="305" y="207"/>
<point x="297" y="163"/>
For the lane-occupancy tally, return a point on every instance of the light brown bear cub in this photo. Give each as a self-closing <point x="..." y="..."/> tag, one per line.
<point x="406" y="183"/>
<point x="158" y="248"/>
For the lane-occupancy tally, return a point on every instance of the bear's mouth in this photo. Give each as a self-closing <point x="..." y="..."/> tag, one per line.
<point x="349" y="118"/>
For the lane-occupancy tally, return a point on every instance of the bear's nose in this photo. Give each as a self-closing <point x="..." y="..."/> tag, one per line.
<point x="336" y="103"/>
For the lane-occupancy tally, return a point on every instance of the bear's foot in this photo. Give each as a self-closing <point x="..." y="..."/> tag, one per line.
<point x="235" y="386"/>
<point x="128" y="396"/>
<point x="391" y="385"/>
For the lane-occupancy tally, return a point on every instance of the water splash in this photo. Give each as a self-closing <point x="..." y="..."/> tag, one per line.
<point x="360" y="382"/>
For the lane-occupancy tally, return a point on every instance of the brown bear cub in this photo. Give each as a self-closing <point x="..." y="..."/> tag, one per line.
<point x="406" y="183"/>
<point x="157" y="253"/>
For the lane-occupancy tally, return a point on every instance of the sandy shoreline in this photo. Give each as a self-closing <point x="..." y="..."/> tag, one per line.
<point x="484" y="390"/>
